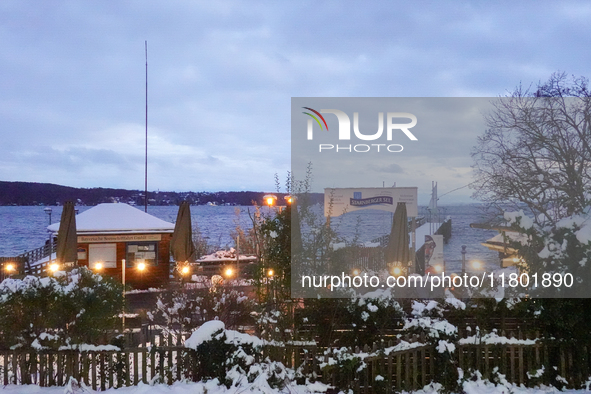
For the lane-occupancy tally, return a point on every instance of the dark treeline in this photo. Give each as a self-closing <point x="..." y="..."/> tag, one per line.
<point x="29" y="193"/>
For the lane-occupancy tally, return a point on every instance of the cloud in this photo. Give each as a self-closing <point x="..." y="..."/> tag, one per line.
<point x="392" y="168"/>
<point x="221" y="76"/>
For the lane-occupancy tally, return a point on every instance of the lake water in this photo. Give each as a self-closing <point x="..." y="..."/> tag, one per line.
<point x="24" y="228"/>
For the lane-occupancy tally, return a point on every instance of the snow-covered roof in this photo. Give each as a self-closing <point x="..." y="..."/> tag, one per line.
<point x="511" y="237"/>
<point x="117" y="218"/>
<point x="499" y="244"/>
<point x="225" y="255"/>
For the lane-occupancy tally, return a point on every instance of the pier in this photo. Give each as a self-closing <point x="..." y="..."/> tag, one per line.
<point x="372" y="258"/>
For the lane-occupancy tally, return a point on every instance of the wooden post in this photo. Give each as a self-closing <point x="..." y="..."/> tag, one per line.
<point x="415" y="370"/>
<point x="109" y="372"/>
<point x="179" y="363"/>
<point x="127" y="369"/>
<point x="486" y="362"/>
<point x="93" y="369"/>
<point x="60" y="369"/>
<point x="512" y="362"/>
<point x="144" y="366"/>
<point x="135" y="368"/>
<point x="390" y="372"/>
<point x="423" y="368"/>
<point x="169" y="375"/>
<point x="42" y="369"/>
<point x="152" y="364"/>
<point x="50" y="369"/>
<point x="399" y="371"/>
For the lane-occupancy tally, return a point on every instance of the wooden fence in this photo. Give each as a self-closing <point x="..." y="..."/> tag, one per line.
<point x="107" y="369"/>
<point x="406" y="369"/>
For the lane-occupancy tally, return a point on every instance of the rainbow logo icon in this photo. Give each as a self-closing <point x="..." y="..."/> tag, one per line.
<point x="315" y="118"/>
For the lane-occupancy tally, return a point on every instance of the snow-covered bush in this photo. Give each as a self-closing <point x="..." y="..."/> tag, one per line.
<point x="560" y="257"/>
<point x="234" y="358"/>
<point x="353" y="321"/>
<point x="62" y="310"/>
<point x="557" y="254"/>
<point x="182" y="310"/>
<point x="275" y="324"/>
<point x="428" y="322"/>
<point x="343" y="366"/>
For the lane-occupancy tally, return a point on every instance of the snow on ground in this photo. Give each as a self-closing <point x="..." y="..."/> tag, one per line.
<point x="211" y="387"/>
<point x="482" y="387"/>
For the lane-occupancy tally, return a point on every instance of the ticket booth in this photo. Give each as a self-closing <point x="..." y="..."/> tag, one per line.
<point x="110" y="234"/>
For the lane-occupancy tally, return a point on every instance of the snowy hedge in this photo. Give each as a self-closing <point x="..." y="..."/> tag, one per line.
<point x="234" y="358"/>
<point x="58" y="311"/>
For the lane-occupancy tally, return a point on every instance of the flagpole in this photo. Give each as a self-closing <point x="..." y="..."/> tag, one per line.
<point x="146" y="163"/>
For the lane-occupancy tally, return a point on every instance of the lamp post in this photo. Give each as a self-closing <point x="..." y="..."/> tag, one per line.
<point x="270" y="200"/>
<point x="53" y="268"/>
<point x="185" y="270"/>
<point x="463" y="259"/>
<point x="289" y="200"/>
<point x="270" y="284"/>
<point x="9" y="268"/>
<point x="48" y="211"/>
<point x="238" y="255"/>
<point x="123" y="280"/>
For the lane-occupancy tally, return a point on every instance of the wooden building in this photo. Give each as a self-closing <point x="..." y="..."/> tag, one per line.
<point x="109" y="234"/>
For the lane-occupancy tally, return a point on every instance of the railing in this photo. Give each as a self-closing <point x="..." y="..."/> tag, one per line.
<point x="360" y="257"/>
<point x="23" y="263"/>
<point x="40" y="253"/>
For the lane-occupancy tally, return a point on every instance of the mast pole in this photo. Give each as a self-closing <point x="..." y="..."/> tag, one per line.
<point x="146" y="163"/>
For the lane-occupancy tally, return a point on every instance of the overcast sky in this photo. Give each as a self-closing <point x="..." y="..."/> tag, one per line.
<point x="222" y="74"/>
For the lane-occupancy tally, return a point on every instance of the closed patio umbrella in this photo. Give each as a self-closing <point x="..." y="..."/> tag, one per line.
<point x="181" y="245"/>
<point x="67" y="241"/>
<point x="397" y="251"/>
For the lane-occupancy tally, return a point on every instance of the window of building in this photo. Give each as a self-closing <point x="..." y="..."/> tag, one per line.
<point x="106" y="254"/>
<point x="142" y="252"/>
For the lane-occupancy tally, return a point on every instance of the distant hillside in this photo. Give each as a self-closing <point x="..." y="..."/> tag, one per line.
<point x="29" y="193"/>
